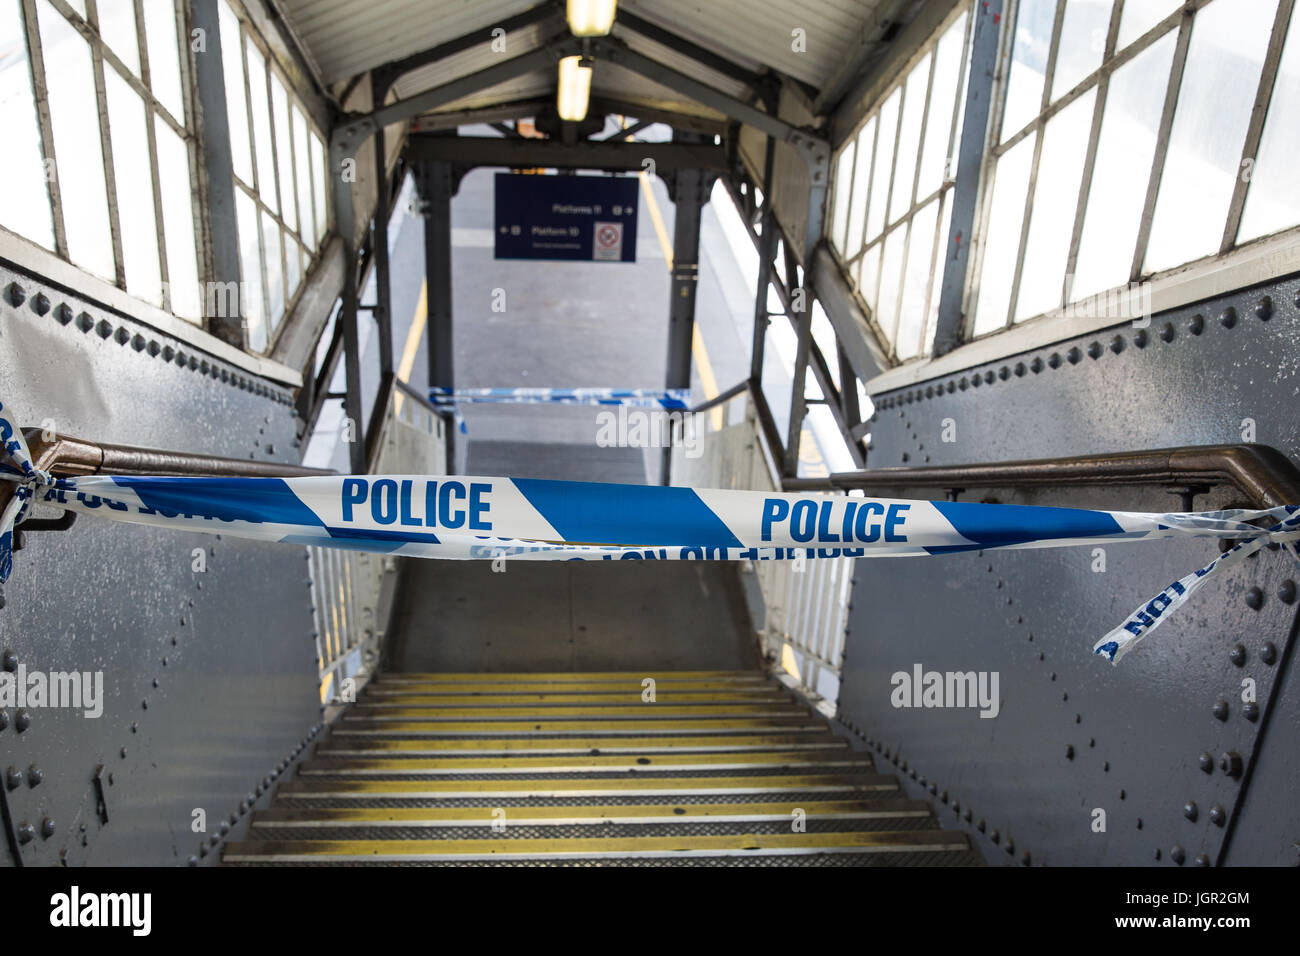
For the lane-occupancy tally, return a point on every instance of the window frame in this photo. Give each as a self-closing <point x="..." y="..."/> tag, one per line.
<point x="322" y="220"/>
<point x="850" y="263"/>
<point x="103" y="59"/>
<point x="1179" y="23"/>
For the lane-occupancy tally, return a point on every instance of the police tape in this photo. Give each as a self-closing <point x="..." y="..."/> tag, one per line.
<point x="671" y="399"/>
<point x="464" y="517"/>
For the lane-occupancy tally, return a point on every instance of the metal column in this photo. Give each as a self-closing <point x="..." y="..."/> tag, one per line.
<point x="223" y="233"/>
<point x="383" y="312"/>
<point x="437" y="184"/>
<point x="690" y="191"/>
<point x="970" y="160"/>
<point x="766" y="252"/>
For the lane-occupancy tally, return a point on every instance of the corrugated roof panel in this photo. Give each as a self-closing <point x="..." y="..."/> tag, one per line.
<point x="759" y="31"/>
<point x="346" y="37"/>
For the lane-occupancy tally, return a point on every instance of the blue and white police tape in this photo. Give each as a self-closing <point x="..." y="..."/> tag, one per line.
<point x="672" y="399"/>
<point x="464" y="517"/>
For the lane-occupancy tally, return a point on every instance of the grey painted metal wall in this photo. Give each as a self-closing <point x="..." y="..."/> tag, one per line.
<point x="1142" y="741"/>
<point x="209" y="678"/>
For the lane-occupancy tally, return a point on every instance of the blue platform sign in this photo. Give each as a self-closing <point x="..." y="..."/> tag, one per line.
<point x="591" y="218"/>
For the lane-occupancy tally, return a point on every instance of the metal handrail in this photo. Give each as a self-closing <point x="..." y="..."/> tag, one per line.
<point x="1263" y="474"/>
<point x="66" y="456"/>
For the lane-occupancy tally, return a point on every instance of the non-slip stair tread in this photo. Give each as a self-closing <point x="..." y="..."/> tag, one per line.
<point x="861" y="841"/>
<point x="583" y="784"/>
<point x="539" y="744"/>
<point x="469" y="677"/>
<point x="594" y="688"/>
<point x="577" y="763"/>
<point x="588" y="711"/>
<point x="563" y="814"/>
<point x="409" y="727"/>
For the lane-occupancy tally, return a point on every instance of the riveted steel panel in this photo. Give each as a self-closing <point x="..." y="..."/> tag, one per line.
<point x="1074" y="735"/>
<point x="209" y="677"/>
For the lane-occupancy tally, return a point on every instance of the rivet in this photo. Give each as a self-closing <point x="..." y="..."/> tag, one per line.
<point x="1036" y="366"/>
<point x="63" y="312"/>
<point x="995" y="837"/>
<point x="34" y="776"/>
<point x="1220" y="709"/>
<point x="1167" y="334"/>
<point x="980" y="826"/>
<point x="966" y="814"/>
<point x="22" y="720"/>
<point x="26" y="833"/>
<point x="1178" y="855"/>
<point x="13" y="778"/>
<point x="1054" y="360"/>
<point x="10" y="661"/>
<point x="1217" y="815"/>
<point x="1286" y="591"/>
<point x="1230" y="763"/>
<point x="1268" y="653"/>
<point x="1197" y="325"/>
<point x="1264" y="308"/>
<point x="1140" y="338"/>
<point x="1117" y="344"/>
<point x="47" y="828"/>
<point x="1190" y="811"/>
<point x="1250" y="711"/>
<point x="1094" y="350"/>
<point x="1069" y="751"/>
<point x="1254" y="599"/>
<point x="1228" y="317"/>
<point x="1074" y="355"/>
<point x="85" y="322"/>
<point x="1237" y="655"/>
<point x="1202" y="860"/>
<point x="1206" y="763"/>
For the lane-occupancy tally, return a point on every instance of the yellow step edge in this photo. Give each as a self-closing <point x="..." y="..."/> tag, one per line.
<point x="750" y="844"/>
<point x="579" y="763"/>
<point x="371" y="726"/>
<point x="544" y="676"/>
<point x="630" y="785"/>
<point x="578" y="745"/>
<point x="628" y="698"/>
<point x="578" y="815"/>
<point x="636" y="712"/>
<point x="607" y="688"/>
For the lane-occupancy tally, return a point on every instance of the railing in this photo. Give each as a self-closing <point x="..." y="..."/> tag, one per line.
<point x="805" y="602"/>
<point x="352" y="591"/>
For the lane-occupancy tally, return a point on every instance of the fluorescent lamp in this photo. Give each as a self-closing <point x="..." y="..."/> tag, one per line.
<point x="591" y="18"/>
<point x="575" y="89"/>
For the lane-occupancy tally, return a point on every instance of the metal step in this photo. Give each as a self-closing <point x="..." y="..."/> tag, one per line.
<point x="597" y="848"/>
<point x="721" y="769"/>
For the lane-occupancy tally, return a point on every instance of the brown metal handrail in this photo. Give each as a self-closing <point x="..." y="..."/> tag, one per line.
<point x="1264" y="475"/>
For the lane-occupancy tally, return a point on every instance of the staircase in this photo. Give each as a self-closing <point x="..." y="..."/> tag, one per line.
<point x="721" y="768"/>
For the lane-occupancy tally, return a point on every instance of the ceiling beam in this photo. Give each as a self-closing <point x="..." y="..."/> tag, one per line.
<point x="550" y="153"/>
<point x="688" y="122"/>
<point x="702" y="55"/>
<point x="877" y="29"/>
<point x="616" y="51"/>
<point x="516" y="109"/>
<point x="390" y="72"/>
<point x="352" y="130"/>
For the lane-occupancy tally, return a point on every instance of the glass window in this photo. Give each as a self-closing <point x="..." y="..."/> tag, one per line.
<point x="250" y="254"/>
<point x="178" y="221"/>
<point x="861" y="187"/>
<point x="1273" y="199"/>
<point x="1051" y="218"/>
<point x="164" y="56"/>
<point x="1229" y="40"/>
<point x="105" y="101"/>
<point x="899" y="166"/>
<point x="909" y="139"/>
<point x="1139" y="16"/>
<point x="74" y="118"/>
<point x="232" y="67"/>
<point x="1002" y="238"/>
<point x="1029" y="56"/>
<point x="1082" y="43"/>
<point x="25" y="203"/>
<point x="132" y="173"/>
<point x="1121" y="171"/>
